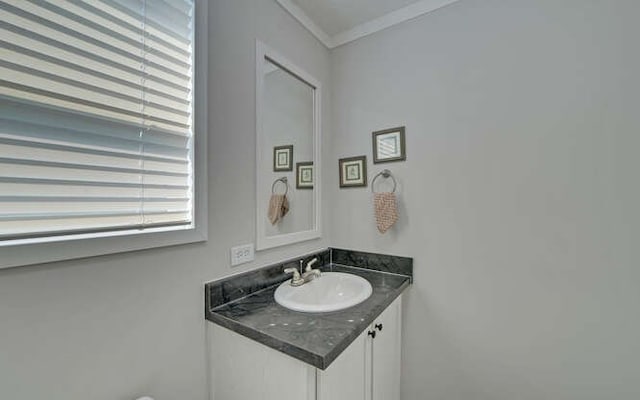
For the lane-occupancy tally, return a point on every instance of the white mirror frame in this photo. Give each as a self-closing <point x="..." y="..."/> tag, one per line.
<point x="262" y="240"/>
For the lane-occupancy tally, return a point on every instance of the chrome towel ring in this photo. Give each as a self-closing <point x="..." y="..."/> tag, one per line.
<point x="283" y="180"/>
<point x="385" y="173"/>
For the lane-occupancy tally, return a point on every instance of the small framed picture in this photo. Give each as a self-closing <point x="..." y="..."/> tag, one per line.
<point x="389" y="145"/>
<point x="283" y="158"/>
<point x="353" y="171"/>
<point x="304" y="175"/>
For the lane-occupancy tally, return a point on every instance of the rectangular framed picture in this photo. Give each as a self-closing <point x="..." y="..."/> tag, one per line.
<point x="389" y="145"/>
<point x="353" y="171"/>
<point x="304" y="175"/>
<point x="283" y="158"/>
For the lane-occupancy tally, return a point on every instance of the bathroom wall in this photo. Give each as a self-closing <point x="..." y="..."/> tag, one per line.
<point x="115" y="327"/>
<point x="519" y="197"/>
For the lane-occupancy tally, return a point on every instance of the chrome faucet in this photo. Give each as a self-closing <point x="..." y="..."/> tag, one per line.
<point x="296" y="280"/>
<point x="309" y="273"/>
<point x="300" y="278"/>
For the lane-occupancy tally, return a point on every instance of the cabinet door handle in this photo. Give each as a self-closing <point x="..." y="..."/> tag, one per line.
<point x="372" y="334"/>
<point x="378" y="327"/>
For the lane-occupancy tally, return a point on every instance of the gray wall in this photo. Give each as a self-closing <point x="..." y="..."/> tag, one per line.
<point x="518" y="199"/>
<point x="111" y="328"/>
<point x="519" y="196"/>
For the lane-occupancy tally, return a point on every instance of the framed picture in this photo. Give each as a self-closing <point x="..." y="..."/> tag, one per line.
<point x="353" y="171"/>
<point x="389" y="145"/>
<point x="283" y="158"/>
<point x="304" y="175"/>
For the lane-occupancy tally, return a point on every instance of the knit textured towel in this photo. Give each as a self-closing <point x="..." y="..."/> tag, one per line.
<point x="278" y="208"/>
<point x="386" y="210"/>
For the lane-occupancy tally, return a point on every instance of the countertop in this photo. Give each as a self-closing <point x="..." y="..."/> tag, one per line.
<point x="315" y="338"/>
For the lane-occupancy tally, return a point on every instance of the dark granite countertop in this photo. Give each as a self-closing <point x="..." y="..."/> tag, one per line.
<point x="315" y="338"/>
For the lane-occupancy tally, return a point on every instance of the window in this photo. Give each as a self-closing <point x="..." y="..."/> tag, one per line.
<point x="96" y="118"/>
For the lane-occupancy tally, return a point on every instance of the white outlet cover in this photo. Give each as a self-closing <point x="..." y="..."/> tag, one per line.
<point x="242" y="254"/>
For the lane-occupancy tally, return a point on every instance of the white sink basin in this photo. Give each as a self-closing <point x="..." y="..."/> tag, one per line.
<point x="330" y="292"/>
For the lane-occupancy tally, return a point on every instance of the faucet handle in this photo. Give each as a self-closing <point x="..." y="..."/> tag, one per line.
<point x="293" y="271"/>
<point x="310" y="263"/>
<point x="296" y="280"/>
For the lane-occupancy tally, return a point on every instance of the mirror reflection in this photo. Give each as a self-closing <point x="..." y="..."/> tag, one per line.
<point x="286" y="176"/>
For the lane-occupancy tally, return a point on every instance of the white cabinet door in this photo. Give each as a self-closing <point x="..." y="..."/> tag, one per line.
<point x="243" y="369"/>
<point x="369" y="369"/>
<point x="346" y="379"/>
<point x="386" y="353"/>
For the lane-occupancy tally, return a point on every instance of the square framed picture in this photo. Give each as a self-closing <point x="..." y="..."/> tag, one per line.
<point x="283" y="158"/>
<point x="304" y="175"/>
<point x="353" y="171"/>
<point x="389" y="145"/>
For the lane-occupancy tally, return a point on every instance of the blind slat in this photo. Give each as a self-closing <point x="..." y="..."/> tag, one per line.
<point x="90" y="107"/>
<point x="78" y="215"/>
<point x="91" y="206"/>
<point x="91" y="81"/>
<point x="22" y="189"/>
<point x="128" y="70"/>
<point x="95" y="116"/>
<point x="46" y="122"/>
<point x="90" y="200"/>
<point x="169" y="23"/>
<point x="83" y="174"/>
<point x="102" y="29"/>
<point x="23" y="229"/>
<point x="127" y="149"/>
<point x="111" y="11"/>
<point x="109" y="22"/>
<point x="88" y="167"/>
<point x="60" y="87"/>
<point x="88" y="160"/>
<point x="37" y="20"/>
<point x="61" y="183"/>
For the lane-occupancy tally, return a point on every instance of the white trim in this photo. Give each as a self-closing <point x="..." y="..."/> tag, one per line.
<point x="263" y="241"/>
<point x="108" y="243"/>
<point x="393" y="18"/>
<point x="367" y="28"/>
<point x="297" y="13"/>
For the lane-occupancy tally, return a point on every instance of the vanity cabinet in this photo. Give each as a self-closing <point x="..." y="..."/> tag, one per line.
<point x="368" y="369"/>
<point x="386" y="354"/>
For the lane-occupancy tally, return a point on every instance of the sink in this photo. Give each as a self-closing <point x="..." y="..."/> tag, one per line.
<point x="332" y="291"/>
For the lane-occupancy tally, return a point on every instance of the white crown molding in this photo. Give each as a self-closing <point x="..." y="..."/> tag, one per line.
<point x="307" y="22"/>
<point x="375" y="25"/>
<point x="388" y="20"/>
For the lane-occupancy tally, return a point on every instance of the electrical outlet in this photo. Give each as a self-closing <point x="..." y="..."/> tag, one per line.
<point x="242" y="254"/>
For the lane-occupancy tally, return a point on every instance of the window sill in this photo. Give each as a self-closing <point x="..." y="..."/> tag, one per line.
<point x="38" y="253"/>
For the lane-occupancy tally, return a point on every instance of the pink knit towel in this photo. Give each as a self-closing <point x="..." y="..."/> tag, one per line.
<point x="278" y="208"/>
<point x="386" y="210"/>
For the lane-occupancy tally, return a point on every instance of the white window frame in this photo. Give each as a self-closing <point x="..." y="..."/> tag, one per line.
<point x="94" y="244"/>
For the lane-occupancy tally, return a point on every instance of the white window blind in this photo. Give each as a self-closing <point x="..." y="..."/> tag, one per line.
<point x="95" y="116"/>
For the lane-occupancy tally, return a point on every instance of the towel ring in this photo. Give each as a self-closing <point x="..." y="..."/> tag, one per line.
<point x="283" y="180"/>
<point x="385" y="173"/>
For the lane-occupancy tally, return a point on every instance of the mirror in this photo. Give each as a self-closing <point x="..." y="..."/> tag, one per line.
<point x="287" y="154"/>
